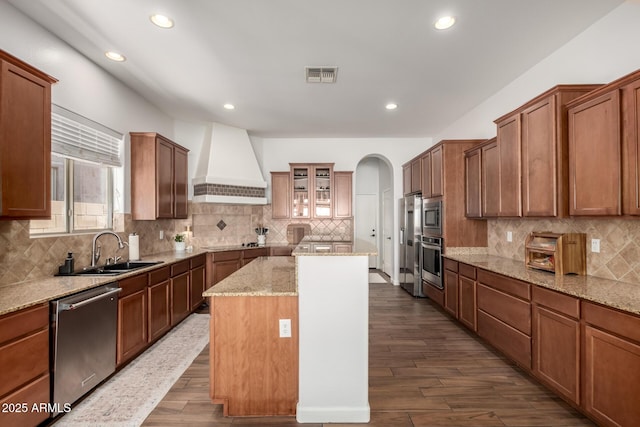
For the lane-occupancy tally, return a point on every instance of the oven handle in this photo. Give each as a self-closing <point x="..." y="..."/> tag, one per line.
<point x="429" y="246"/>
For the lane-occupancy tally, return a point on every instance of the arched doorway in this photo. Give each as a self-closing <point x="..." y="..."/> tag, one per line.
<point x="374" y="209"/>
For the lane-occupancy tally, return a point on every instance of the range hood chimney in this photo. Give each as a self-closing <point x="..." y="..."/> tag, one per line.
<point x="228" y="171"/>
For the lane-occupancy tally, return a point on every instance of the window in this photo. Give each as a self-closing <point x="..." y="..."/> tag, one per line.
<point x="84" y="156"/>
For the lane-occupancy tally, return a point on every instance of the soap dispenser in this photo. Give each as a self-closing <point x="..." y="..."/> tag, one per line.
<point x="68" y="267"/>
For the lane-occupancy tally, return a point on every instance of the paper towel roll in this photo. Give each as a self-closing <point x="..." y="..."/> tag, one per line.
<point x="134" y="247"/>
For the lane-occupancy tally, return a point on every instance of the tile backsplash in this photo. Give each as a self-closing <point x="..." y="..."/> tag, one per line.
<point x="24" y="258"/>
<point x="619" y="256"/>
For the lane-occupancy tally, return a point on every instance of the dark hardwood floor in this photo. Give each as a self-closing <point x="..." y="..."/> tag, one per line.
<point x="424" y="370"/>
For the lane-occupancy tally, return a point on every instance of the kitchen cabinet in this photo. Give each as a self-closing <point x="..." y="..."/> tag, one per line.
<point x="180" y="292"/>
<point x="159" y="297"/>
<point x="509" y="171"/>
<point x="406" y="179"/>
<point x="249" y="255"/>
<point x="312" y="190"/>
<point x="611" y="351"/>
<point x="467" y="307"/>
<point x="412" y="176"/>
<point x="450" y="282"/>
<point x="595" y="174"/>
<point x="24" y="356"/>
<point x="504" y="315"/>
<point x="132" y="335"/>
<point x="280" y="195"/>
<point x="223" y="264"/>
<point x="25" y="140"/>
<point x="159" y="177"/>
<point x="197" y="280"/>
<point x="425" y="161"/>
<point x="343" y="194"/>
<point x="280" y="251"/>
<point x="490" y="162"/>
<point x="434" y="294"/>
<point x="556" y="342"/>
<point x="473" y="183"/>
<point x="631" y="144"/>
<point x="436" y="171"/>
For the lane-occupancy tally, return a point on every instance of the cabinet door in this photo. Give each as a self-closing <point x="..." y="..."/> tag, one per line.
<point x="436" y="172"/>
<point x="473" y="184"/>
<point x="467" y="302"/>
<point x="25" y="144"/>
<point x="197" y="282"/>
<point x="132" y="325"/>
<point x="222" y="269"/>
<point x="406" y="179"/>
<point x="594" y="156"/>
<point x="342" y="182"/>
<point x="510" y="172"/>
<point x="539" y="159"/>
<point x="426" y="174"/>
<point x="180" y="184"/>
<point x="416" y="176"/>
<point x="301" y="191"/>
<point x="180" y="292"/>
<point x="280" y="195"/>
<point x="451" y="292"/>
<point x="159" y="296"/>
<point x="556" y="351"/>
<point x="322" y="191"/>
<point x="631" y="138"/>
<point x="490" y="180"/>
<point x="164" y="179"/>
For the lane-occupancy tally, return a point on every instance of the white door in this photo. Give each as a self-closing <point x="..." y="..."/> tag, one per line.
<point x="367" y="222"/>
<point x="387" y="232"/>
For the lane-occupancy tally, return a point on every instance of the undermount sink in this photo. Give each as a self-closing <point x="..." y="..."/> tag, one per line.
<point x="116" y="269"/>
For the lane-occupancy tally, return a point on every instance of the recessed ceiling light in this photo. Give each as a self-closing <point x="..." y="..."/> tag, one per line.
<point x="115" y="56"/>
<point x="229" y="106"/>
<point x="162" y="21"/>
<point x="445" y="22"/>
<point x="391" y="106"/>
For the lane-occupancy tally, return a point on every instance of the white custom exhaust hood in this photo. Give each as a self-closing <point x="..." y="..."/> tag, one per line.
<point x="227" y="170"/>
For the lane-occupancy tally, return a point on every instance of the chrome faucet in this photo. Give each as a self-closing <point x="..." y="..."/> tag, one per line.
<point x="95" y="249"/>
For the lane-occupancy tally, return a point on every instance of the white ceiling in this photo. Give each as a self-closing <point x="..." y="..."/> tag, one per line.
<point x="252" y="53"/>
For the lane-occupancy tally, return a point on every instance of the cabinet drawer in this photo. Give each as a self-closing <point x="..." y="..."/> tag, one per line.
<point x="626" y="325"/>
<point x="512" y="311"/>
<point x="505" y="284"/>
<point x="197" y="261"/>
<point x="159" y="275"/>
<point x="34" y="393"/>
<point x="451" y="265"/>
<point x="226" y="256"/>
<point x="467" y="271"/>
<point x="561" y="303"/>
<point x="14" y="325"/>
<point x="28" y="358"/>
<point x="510" y="341"/>
<point x="179" y="268"/>
<point x="255" y="253"/>
<point x="131" y="285"/>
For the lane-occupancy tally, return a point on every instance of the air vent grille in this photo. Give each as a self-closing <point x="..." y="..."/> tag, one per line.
<point x="321" y="74"/>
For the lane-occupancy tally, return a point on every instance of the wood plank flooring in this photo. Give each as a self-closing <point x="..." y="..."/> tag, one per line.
<point x="424" y="370"/>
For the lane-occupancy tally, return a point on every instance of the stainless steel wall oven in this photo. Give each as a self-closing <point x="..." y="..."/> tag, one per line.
<point x="432" y="261"/>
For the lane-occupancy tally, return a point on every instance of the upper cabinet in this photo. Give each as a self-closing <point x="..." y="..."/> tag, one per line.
<point x="510" y="190"/>
<point x="159" y="177"/>
<point x="431" y="163"/>
<point x="631" y="145"/>
<point x="25" y="140"/>
<point x="412" y="176"/>
<point x="311" y="191"/>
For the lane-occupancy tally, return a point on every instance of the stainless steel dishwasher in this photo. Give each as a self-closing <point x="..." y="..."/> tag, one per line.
<point x="84" y="342"/>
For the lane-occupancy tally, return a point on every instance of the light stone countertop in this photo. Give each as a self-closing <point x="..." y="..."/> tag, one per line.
<point x="612" y="293"/>
<point x="311" y="247"/>
<point x="16" y="296"/>
<point x="264" y="276"/>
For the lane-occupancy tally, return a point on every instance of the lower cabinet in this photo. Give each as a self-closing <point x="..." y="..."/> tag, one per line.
<point x="467" y="306"/>
<point x="197" y="280"/>
<point x="180" y="292"/>
<point x="450" y="282"/>
<point x="249" y="255"/>
<point x="611" y="348"/>
<point x="224" y="264"/>
<point x="132" y="318"/>
<point x="556" y="342"/>
<point x="24" y="347"/>
<point x="159" y="293"/>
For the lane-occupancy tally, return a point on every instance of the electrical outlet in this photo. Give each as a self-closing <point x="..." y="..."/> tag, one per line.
<point x="161" y="234"/>
<point x="509" y="236"/>
<point x="595" y="245"/>
<point x="285" y="328"/>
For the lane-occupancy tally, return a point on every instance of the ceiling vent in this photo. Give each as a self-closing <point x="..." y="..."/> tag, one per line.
<point x="321" y="74"/>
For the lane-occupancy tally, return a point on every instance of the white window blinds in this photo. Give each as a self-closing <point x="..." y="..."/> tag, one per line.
<point x="80" y="138"/>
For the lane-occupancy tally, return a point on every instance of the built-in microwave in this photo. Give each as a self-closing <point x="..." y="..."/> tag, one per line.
<point x="431" y="217"/>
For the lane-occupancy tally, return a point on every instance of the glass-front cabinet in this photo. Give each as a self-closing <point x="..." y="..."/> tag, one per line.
<point x="312" y="190"/>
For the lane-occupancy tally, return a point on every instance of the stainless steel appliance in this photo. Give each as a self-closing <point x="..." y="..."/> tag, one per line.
<point x="432" y="261"/>
<point x="410" y="237"/>
<point x="432" y="218"/>
<point x="84" y="342"/>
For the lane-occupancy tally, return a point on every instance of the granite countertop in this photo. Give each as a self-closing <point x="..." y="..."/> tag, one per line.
<point x="612" y="293"/>
<point x="16" y="296"/>
<point x="312" y="247"/>
<point x="264" y="276"/>
<point x="241" y="247"/>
